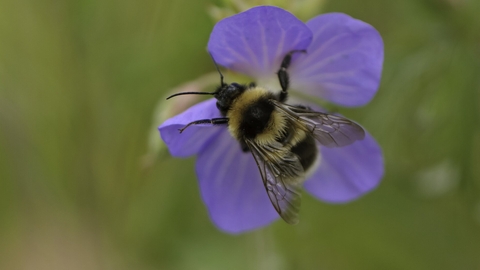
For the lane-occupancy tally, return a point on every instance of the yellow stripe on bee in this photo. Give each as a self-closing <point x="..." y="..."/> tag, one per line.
<point x="274" y="129"/>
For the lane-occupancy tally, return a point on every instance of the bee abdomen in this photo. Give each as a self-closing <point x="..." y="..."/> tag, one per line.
<point x="307" y="152"/>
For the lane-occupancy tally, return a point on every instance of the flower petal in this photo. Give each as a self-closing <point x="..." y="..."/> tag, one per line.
<point x="232" y="187"/>
<point x="343" y="64"/>
<point x="346" y="173"/>
<point x="254" y="42"/>
<point x="194" y="137"/>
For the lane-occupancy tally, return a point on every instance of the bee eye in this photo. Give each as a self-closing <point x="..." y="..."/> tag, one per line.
<point x="235" y="85"/>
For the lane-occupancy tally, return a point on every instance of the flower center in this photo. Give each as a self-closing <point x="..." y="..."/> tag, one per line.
<point x="270" y="83"/>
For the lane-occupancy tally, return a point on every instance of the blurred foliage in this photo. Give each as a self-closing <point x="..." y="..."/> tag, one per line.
<point x="79" y="81"/>
<point x="303" y="9"/>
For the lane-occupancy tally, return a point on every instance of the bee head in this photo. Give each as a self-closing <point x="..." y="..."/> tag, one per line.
<point x="227" y="93"/>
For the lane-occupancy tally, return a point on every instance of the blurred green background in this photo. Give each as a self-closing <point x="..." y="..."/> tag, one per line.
<point x="79" y="81"/>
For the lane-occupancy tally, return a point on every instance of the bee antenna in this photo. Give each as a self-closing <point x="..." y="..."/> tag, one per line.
<point x="218" y="69"/>
<point x="191" y="93"/>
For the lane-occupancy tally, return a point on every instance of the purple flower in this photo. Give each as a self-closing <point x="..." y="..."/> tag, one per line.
<point x="343" y="65"/>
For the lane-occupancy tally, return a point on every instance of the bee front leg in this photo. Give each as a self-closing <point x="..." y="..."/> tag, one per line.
<point x="213" y="121"/>
<point x="283" y="75"/>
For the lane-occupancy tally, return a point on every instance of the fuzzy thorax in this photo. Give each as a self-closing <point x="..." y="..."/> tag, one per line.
<point x="253" y="116"/>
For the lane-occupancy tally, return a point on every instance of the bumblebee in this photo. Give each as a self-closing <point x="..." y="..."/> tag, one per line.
<point x="282" y="138"/>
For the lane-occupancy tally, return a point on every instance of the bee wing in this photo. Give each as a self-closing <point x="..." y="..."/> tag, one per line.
<point x="328" y="129"/>
<point x="281" y="172"/>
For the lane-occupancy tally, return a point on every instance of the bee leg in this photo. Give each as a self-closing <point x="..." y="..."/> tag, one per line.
<point x="244" y="146"/>
<point x="213" y="121"/>
<point x="283" y="75"/>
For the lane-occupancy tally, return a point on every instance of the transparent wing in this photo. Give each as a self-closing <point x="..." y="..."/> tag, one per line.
<point x="281" y="173"/>
<point x="328" y="129"/>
